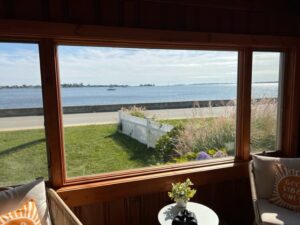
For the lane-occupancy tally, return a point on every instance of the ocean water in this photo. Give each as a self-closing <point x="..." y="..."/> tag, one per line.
<point x="79" y="96"/>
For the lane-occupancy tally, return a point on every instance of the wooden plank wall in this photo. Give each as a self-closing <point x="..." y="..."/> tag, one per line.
<point x="231" y="200"/>
<point x="272" y="17"/>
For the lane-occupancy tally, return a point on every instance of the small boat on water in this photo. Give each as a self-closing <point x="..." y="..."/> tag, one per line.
<point x="110" y="89"/>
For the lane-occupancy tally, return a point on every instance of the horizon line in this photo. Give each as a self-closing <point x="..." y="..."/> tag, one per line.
<point x="123" y="85"/>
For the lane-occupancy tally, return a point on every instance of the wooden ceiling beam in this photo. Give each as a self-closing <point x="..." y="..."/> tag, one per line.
<point x="65" y="10"/>
<point x="137" y="13"/>
<point x="9" y="8"/>
<point x="120" y="12"/>
<point x="259" y="6"/>
<point x="63" y="32"/>
<point x="163" y="15"/>
<point x="45" y="9"/>
<point x="97" y="10"/>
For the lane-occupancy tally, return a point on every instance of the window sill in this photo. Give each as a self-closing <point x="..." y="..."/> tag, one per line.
<point x="146" y="171"/>
<point x="106" y="190"/>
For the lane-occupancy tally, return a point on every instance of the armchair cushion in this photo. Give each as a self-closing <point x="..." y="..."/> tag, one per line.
<point x="274" y="215"/>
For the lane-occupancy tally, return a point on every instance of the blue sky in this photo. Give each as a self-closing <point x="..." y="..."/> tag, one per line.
<point x="19" y="64"/>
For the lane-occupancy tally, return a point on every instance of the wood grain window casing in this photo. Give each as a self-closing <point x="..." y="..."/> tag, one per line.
<point x="49" y="34"/>
<point x="291" y="103"/>
<point x="52" y="111"/>
<point x="244" y="104"/>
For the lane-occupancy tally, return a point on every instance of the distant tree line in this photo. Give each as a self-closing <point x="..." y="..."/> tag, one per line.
<point x="21" y="86"/>
<point x="92" y="85"/>
<point x="147" y="85"/>
<point x="69" y="85"/>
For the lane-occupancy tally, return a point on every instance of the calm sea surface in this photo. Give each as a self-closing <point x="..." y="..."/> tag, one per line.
<point x="32" y="97"/>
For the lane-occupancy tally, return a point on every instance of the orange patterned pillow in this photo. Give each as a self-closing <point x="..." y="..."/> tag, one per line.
<point x="286" y="192"/>
<point x="26" y="215"/>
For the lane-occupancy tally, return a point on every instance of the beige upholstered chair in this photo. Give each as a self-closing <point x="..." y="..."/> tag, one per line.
<point x="262" y="178"/>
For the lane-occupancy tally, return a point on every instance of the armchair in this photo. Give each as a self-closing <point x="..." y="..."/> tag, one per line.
<point x="262" y="178"/>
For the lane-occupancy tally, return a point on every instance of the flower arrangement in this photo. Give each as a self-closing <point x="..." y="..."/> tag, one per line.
<point x="182" y="192"/>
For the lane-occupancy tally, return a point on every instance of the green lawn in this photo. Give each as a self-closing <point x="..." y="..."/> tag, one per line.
<point x="100" y="148"/>
<point x="89" y="150"/>
<point x="22" y="156"/>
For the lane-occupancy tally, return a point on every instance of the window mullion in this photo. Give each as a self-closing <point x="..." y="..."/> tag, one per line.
<point x="290" y="104"/>
<point x="52" y="111"/>
<point x="244" y="104"/>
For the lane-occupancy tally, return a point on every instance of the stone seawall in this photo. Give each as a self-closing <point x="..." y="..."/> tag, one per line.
<point x="113" y="108"/>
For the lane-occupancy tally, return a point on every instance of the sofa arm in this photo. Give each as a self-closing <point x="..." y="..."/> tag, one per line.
<point x="60" y="213"/>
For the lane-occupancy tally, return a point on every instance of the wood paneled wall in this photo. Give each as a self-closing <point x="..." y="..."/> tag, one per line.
<point x="273" y="17"/>
<point x="231" y="200"/>
<point x="226" y="190"/>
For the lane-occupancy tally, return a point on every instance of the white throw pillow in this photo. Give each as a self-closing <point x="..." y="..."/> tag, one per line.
<point x="264" y="172"/>
<point x="14" y="198"/>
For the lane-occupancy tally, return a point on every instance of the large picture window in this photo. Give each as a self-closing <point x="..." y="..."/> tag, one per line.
<point x="127" y="108"/>
<point x="23" y="155"/>
<point x="132" y="108"/>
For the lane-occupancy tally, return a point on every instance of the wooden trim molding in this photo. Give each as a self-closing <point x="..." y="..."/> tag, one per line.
<point x="244" y="104"/>
<point x="291" y="103"/>
<point x="140" y="172"/>
<point x="93" y="35"/>
<point x="78" y="195"/>
<point x="52" y="111"/>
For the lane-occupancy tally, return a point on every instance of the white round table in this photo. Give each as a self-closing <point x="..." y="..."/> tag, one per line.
<point x="204" y="215"/>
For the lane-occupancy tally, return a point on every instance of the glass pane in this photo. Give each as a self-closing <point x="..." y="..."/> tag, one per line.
<point x="127" y="108"/>
<point x="23" y="155"/>
<point x="266" y="72"/>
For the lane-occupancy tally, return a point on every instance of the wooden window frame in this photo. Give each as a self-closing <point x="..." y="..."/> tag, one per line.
<point x="49" y="35"/>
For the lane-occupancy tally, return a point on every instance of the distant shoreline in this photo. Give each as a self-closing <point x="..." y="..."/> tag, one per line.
<point x="122" y="86"/>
